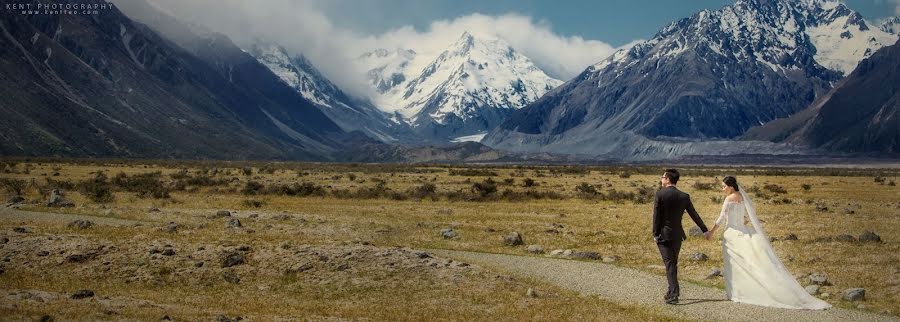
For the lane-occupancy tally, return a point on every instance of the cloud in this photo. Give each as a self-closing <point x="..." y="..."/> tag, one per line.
<point x="301" y="27"/>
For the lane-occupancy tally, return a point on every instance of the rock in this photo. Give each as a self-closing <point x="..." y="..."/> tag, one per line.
<point x="14" y="200"/>
<point x="848" y="211"/>
<point x="489" y="230"/>
<point x="168" y="252"/>
<point x="567" y="253"/>
<point x="80" y="224"/>
<point x="610" y="259"/>
<point x="513" y="239"/>
<point x="868" y="236"/>
<point x="813" y="289"/>
<point x="21" y="230"/>
<point x="695" y="231"/>
<point x="253" y="216"/>
<point x="223" y="214"/>
<point x="43" y="253"/>
<point x="791" y="237"/>
<point x="819" y="279"/>
<point x="535" y="249"/>
<point x="715" y="272"/>
<point x="586" y="255"/>
<point x="821" y="207"/>
<point x="845" y="238"/>
<point x="153" y="209"/>
<point x="231" y="277"/>
<point x="233" y="223"/>
<point x="531" y="293"/>
<point x="82" y="294"/>
<point x="46" y="318"/>
<point x="57" y="200"/>
<point x="422" y="255"/>
<point x="171" y="227"/>
<point x="556" y="252"/>
<point x="222" y="318"/>
<point x="825" y="295"/>
<point x="854" y="294"/>
<point x="699" y="257"/>
<point x="448" y="233"/>
<point x="232" y="259"/>
<point x="283" y="217"/>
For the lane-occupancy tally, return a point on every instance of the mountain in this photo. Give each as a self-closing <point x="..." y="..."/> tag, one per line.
<point x="350" y="113"/>
<point x="105" y="86"/>
<point x="698" y="83"/>
<point x="860" y="115"/>
<point x="891" y="25"/>
<point x="466" y="89"/>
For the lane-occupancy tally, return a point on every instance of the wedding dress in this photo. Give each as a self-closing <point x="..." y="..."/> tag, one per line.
<point x="753" y="273"/>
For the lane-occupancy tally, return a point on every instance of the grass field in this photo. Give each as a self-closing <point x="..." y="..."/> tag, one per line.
<point x="339" y="240"/>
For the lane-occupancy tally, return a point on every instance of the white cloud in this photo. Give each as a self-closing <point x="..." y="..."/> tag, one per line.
<point x="301" y="27"/>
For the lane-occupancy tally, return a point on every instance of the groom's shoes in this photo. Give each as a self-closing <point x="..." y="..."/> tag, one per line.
<point x="672" y="301"/>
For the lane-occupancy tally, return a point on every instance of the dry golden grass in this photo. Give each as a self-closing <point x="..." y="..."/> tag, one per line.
<point x="618" y="228"/>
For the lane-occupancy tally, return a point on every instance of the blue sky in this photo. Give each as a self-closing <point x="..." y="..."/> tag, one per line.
<point x="613" y="21"/>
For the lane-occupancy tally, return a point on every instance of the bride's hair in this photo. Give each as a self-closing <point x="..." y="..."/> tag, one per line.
<point x="731" y="181"/>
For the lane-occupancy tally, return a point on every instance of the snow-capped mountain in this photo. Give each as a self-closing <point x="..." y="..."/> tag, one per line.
<point x="707" y="77"/>
<point x="350" y="113"/>
<point x="891" y="25"/>
<point x="464" y="90"/>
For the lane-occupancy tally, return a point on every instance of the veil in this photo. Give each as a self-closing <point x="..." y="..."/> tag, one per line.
<point x="751" y="213"/>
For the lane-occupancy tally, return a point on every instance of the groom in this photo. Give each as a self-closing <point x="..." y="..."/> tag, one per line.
<point x="668" y="209"/>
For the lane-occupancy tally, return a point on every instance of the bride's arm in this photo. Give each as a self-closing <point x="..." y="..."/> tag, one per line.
<point x="723" y="216"/>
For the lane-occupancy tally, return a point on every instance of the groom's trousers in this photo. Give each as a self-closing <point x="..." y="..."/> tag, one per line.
<point x="669" y="251"/>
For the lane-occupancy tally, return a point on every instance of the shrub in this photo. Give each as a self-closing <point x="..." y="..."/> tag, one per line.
<point x="473" y="173"/>
<point x="806" y="186"/>
<point x="586" y="190"/>
<point x="252" y="188"/>
<point x="97" y="189"/>
<point x="252" y="203"/>
<point x="485" y="188"/>
<point x="774" y="188"/>
<point x="247" y="171"/>
<point x="699" y="185"/>
<point x="529" y="182"/>
<point x="145" y="185"/>
<point x="60" y="184"/>
<point x="426" y="190"/>
<point x="14" y="186"/>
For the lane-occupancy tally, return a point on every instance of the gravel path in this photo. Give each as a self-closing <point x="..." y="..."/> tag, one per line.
<point x="631" y="287"/>
<point x="12" y="214"/>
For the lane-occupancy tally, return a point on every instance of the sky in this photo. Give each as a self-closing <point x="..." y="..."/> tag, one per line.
<point x="616" y="22"/>
<point x="561" y="37"/>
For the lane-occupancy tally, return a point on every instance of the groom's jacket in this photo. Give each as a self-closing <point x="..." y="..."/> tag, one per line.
<point x="668" y="209"/>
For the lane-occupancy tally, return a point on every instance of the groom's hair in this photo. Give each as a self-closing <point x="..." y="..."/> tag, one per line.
<point x="673" y="175"/>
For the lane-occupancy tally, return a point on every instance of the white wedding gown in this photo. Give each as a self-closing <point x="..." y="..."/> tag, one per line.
<point x="753" y="274"/>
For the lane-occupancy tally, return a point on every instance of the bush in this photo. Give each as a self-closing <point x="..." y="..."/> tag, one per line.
<point x="60" y="184"/>
<point x="252" y="188"/>
<point x="97" y="189"/>
<point x="806" y="187"/>
<point x="13" y="185"/>
<point x="774" y="188"/>
<point x="625" y="175"/>
<point x="427" y="190"/>
<point x="473" y="173"/>
<point x="252" y="203"/>
<point x="145" y="185"/>
<point x="485" y="188"/>
<point x="304" y="189"/>
<point x="698" y="185"/>
<point x="247" y="171"/>
<point x="529" y="182"/>
<point x="586" y="190"/>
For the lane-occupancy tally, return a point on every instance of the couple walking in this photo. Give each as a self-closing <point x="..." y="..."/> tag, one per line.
<point x="753" y="273"/>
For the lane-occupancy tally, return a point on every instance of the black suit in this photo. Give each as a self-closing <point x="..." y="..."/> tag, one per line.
<point x="668" y="210"/>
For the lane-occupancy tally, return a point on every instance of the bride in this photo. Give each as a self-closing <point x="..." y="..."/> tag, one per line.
<point x="753" y="274"/>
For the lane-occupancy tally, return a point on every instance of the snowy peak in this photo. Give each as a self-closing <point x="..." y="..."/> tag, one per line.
<point x="473" y="78"/>
<point x="891" y="25"/>
<point x="781" y="34"/>
<point x="299" y="73"/>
